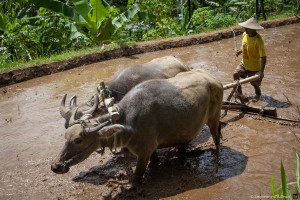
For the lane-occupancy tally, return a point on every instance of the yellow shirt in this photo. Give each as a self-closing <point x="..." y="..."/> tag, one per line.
<point x="253" y="49"/>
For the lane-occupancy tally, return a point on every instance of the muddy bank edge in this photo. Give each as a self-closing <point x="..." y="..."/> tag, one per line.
<point x="20" y="75"/>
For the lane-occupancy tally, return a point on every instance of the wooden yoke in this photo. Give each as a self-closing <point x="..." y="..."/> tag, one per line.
<point x="112" y="109"/>
<point x="109" y="102"/>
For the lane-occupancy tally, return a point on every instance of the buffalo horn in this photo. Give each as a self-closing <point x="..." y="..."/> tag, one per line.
<point x="73" y="102"/>
<point x="94" y="107"/>
<point x="96" y="128"/>
<point x="73" y="117"/>
<point x="62" y="108"/>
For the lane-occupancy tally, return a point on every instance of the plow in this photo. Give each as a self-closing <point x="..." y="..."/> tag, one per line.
<point x="231" y="103"/>
<point x="228" y="104"/>
<point x="264" y="111"/>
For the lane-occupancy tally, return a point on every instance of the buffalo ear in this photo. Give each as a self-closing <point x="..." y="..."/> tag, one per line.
<point x="110" y="131"/>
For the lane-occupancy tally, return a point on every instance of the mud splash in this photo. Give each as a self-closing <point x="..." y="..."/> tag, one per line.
<point x="31" y="133"/>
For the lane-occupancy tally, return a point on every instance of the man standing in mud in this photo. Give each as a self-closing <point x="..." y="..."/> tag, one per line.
<point x="253" y="57"/>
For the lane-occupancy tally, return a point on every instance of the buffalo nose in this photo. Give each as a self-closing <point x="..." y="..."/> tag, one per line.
<point x="54" y="167"/>
<point x="59" y="168"/>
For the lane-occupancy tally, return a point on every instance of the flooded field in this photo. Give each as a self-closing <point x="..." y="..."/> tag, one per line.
<point x="32" y="133"/>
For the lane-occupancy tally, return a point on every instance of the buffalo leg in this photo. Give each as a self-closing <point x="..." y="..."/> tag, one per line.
<point x="182" y="152"/>
<point x="140" y="168"/>
<point x="154" y="158"/>
<point x="215" y="131"/>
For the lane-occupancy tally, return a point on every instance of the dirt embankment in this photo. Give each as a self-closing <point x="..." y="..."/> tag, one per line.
<point x="20" y="75"/>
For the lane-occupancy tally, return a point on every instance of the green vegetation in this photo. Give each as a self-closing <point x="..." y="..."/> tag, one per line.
<point x="287" y="191"/>
<point x="62" y="56"/>
<point x="33" y="31"/>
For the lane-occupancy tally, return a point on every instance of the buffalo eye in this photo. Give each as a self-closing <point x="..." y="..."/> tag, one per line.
<point x="78" y="141"/>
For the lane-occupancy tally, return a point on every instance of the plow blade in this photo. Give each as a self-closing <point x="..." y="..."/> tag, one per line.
<point x="270" y="111"/>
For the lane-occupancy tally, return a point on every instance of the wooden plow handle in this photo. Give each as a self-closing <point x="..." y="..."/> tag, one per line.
<point x="240" y="82"/>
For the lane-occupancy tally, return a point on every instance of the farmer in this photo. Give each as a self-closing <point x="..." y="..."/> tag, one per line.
<point x="254" y="57"/>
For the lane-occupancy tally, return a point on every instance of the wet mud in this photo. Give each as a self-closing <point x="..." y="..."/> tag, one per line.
<point x="32" y="133"/>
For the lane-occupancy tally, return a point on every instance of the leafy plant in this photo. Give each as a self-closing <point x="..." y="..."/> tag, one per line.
<point x="205" y="19"/>
<point x="44" y="35"/>
<point x="98" y="19"/>
<point x="284" y="190"/>
<point x="35" y="28"/>
<point x="227" y="6"/>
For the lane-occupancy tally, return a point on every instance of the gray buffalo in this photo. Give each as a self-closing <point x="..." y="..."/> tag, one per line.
<point x="159" y="68"/>
<point x="154" y="114"/>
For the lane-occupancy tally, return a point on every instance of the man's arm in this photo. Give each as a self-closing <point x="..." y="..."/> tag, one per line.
<point x="263" y="61"/>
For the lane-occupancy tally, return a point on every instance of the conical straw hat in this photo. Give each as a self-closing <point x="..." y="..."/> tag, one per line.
<point x="251" y="24"/>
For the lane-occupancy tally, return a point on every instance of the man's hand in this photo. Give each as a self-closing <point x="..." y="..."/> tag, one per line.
<point x="238" y="52"/>
<point x="261" y="74"/>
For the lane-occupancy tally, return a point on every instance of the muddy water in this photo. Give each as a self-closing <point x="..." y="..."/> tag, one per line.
<point x="32" y="133"/>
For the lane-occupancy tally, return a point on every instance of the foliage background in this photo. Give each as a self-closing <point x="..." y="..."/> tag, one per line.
<point x="32" y="29"/>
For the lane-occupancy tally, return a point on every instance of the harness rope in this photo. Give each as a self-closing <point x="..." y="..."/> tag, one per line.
<point x="83" y="124"/>
<point x="116" y="91"/>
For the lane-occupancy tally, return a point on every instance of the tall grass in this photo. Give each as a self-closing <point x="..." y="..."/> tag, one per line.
<point x="287" y="191"/>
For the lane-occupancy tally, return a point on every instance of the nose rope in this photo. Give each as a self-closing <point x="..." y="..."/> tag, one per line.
<point x="65" y="163"/>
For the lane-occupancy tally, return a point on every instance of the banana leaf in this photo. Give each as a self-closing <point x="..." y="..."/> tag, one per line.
<point x="57" y="7"/>
<point x="99" y="11"/>
<point x="124" y="17"/>
<point x="3" y="21"/>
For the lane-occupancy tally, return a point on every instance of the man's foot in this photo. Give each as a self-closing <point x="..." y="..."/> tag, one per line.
<point x="242" y="98"/>
<point x="256" y="99"/>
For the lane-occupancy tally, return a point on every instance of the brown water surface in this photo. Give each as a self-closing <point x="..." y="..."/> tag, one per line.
<point x="32" y="133"/>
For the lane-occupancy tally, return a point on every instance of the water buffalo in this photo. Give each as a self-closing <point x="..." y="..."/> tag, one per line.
<point x="154" y="114"/>
<point x="159" y="68"/>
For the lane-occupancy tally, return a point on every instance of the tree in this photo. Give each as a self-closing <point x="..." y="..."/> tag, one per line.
<point x="226" y="5"/>
<point x="259" y="7"/>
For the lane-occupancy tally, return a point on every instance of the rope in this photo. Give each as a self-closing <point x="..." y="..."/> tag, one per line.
<point x="116" y="91"/>
<point x="238" y="82"/>
<point x="235" y="46"/>
<point x="104" y="93"/>
<point x="79" y="121"/>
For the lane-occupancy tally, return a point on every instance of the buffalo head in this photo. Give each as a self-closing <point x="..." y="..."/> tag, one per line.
<point x="81" y="141"/>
